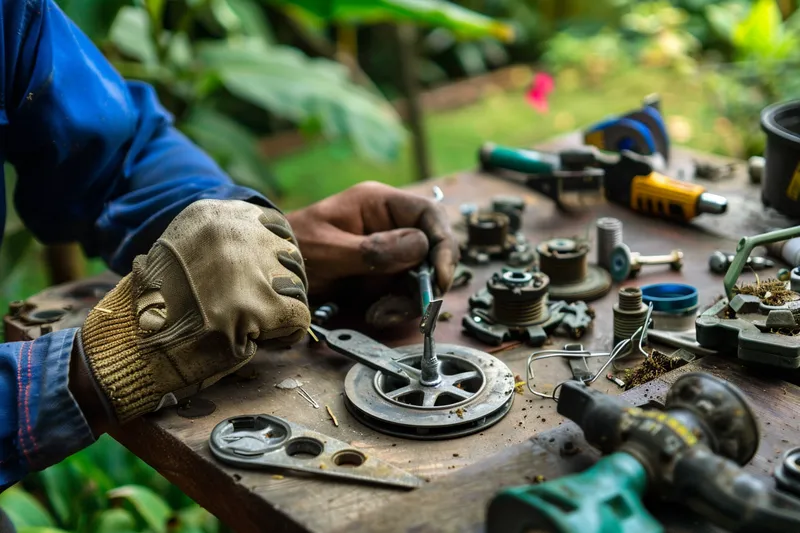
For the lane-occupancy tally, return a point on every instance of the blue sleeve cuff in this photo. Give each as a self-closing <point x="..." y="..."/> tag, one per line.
<point x="49" y="424"/>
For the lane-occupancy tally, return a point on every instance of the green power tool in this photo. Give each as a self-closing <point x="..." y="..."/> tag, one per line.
<point x="689" y="453"/>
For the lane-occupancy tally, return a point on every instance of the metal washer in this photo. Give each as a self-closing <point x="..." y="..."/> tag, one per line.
<point x="489" y="404"/>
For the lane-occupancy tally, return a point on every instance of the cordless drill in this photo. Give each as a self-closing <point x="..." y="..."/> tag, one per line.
<point x="628" y="178"/>
<point x="689" y="453"/>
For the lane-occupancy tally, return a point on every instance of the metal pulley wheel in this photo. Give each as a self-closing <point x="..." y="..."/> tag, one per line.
<point x="475" y="392"/>
<point x="423" y="391"/>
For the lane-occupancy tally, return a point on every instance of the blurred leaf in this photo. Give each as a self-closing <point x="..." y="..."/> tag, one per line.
<point x="724" y="17"/>
<point x="93" y="17"/>
<point x="115" y="521"/>
<point x="287" y="83"/>
<point x="150" y="506"/>
<point x="156" y="10"/>
<point x="59" y="489"/>
<point x="247" y="18"/>
<point x="470" y="58"/>
<point x="131" y="34"/>
<point x="761" y="35"/>
<point x="232" y="145"/>
<point x="195" y="519"/>
<point x="440" y="13"/>
<point x="41" y="530"/>
<point x="24" y="510"/>
<point x="17" y="244"/>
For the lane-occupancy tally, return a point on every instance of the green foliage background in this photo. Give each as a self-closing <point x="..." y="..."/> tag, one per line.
<point x="233" y="71"/>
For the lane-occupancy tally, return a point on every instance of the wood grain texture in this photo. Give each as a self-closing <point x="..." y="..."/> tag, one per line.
<point x="464" y="472"/>
<point x="458" y="502"/>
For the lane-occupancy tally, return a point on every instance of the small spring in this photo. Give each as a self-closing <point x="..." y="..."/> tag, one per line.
<point x="609" y="235"/>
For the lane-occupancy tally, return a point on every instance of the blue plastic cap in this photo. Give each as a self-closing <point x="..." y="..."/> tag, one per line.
<point x="670" y="297"/>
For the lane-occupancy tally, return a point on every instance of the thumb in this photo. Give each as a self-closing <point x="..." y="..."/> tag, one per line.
<point x="391" y="252"/>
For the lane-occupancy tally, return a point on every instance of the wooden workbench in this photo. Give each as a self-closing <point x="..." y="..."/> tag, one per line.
<point x="463" y="473"/>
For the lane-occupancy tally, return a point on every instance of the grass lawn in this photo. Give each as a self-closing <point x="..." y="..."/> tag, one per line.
<point x="504" y="118"/>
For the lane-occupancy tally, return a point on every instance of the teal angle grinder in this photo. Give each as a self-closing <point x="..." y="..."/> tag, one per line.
<point x="689" y="453"/>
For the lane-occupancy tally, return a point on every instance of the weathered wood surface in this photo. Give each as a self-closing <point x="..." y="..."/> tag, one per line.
<point x="255" y="501"/>
<point x="458" y="502"/>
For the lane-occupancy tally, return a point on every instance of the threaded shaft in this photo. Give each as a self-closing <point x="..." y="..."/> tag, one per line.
<point x="609" y="235"/>
<point x="630" y="299"/>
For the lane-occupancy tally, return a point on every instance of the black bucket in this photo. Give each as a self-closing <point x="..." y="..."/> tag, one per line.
<point x="780" y="187"/>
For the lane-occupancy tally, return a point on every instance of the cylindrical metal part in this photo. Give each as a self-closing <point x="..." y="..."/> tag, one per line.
<point x="467" y="210"/>
<point x="487" y="229"/>
<point x="630" y="299"/>
<point x="712" y="203"/>
<point x="755" y="168"/>
<point x="609" y="235"/>
<point x="512" y="207"/>
<point x="429" y="366"/>
<point x="794" y="279"/>
<point x="789" y="251"/>
<point x="564" y="261"/>
<point x="629" y="314"/>
<point x="518" y="303"/>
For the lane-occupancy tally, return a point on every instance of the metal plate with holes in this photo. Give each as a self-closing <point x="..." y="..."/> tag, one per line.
<point x="476" y="391"/>
<point x="269" y="442"/>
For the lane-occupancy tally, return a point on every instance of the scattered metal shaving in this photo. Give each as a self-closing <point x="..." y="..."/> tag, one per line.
<point x="333" y="416"/>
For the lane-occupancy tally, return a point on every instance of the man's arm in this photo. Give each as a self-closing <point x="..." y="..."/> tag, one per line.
<point x="98" y="161"/>
<point x="40" y="421"/>
<point x="97" y="158"/>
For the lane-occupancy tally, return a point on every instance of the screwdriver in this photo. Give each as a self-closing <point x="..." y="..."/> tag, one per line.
<point x="629" y="179"/>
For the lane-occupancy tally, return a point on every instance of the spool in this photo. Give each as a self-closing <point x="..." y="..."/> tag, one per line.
<point x="565" y="261"/>
<point x="609" y="235"/>
<point x="519" y="298"/>
<point x="487" y="230"/>
<point x="780" y="187"/>
<point x="629" y="314"/>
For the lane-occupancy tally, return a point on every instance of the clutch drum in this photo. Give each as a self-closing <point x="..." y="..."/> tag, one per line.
<point x="475" y="392"/>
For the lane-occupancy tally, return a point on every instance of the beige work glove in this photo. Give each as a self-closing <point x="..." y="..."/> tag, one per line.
<point x="224" y="278"/>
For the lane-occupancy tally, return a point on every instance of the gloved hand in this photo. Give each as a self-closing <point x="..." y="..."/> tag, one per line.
<point x="224" y="278"/>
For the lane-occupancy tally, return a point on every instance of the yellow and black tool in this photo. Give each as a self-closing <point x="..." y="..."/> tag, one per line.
<point x="627" y="178"/>
<point x="631" y="181"/>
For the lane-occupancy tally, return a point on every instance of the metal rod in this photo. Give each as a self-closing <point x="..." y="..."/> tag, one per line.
<point x="429" y="365"/>
<point x="425" y="285"/>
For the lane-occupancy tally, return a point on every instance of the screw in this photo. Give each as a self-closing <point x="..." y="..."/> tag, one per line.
<point x="626" y="264"/>
<point x="719" y="262"/>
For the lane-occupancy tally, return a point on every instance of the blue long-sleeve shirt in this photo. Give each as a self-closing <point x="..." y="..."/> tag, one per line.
<point x="98" y="162"/>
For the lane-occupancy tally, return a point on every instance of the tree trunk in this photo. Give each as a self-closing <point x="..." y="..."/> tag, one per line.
<point x="409" y="79"/>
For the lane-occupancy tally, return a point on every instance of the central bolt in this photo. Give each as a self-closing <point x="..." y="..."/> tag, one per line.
<point x="429" y="365"/>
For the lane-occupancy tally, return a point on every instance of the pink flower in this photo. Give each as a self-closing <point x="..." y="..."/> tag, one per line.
<point x="541" y="87"/>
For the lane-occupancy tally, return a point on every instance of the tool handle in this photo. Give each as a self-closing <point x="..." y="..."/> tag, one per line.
<point x="605" y="497"/>
<point x="745" y="248"/>
<point x="718" y="489"/>
<point x="364" y="350"/>
<point x="493" y="156"/>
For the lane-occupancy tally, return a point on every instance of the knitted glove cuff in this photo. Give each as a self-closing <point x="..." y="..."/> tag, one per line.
<point x="112" y="353"/>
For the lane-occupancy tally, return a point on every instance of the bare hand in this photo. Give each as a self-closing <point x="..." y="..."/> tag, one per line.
<point x="373" y="230"/>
